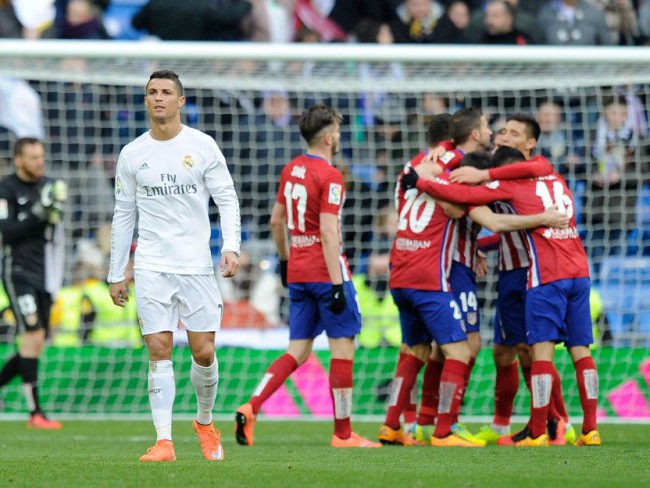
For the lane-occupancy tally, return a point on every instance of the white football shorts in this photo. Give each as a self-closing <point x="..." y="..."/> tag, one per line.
<point x="162" y="299"/>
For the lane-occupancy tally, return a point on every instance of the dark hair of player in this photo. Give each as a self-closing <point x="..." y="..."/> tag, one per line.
<point x="19" y="145"/>
<point x="438" y="129"/>
<point x="532" y="126"/>
<point x="166" y="74"/>
<point x="506" y="155"/>
<point x="315" y="119"/>
<point x="463" y="123"/>
<point x="478" y="160"/>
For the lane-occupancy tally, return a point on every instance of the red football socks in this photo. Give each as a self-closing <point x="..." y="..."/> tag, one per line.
<point x="274" y="377"/>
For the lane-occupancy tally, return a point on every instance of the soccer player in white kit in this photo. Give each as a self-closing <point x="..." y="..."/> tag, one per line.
<point x="166" y="177"/>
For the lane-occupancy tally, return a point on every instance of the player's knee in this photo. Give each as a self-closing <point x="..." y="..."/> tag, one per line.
<point x="525" y="354"/>
<point x="32" y="343"/>
<point x="503" y="356"/>
<point x="458" y="351"/>
<point x="421" y="351"/>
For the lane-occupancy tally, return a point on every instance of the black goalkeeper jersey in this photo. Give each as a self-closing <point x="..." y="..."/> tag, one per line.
<point x="25" y="236"/>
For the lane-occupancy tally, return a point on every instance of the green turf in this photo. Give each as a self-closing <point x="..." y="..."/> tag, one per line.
<point x="104" y="454"/>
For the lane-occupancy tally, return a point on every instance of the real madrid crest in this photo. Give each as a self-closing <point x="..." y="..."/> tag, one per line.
<point x="188" y="162"/>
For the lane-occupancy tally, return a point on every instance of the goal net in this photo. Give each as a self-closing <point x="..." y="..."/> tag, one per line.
<point x="86" y="101"/>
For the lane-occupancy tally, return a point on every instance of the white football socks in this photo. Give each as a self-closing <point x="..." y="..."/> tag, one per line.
<point x="205" y="380"/>
<point x="162" y="391"/>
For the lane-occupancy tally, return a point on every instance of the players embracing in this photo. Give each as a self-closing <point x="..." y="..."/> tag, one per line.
<point x="557" y="302"/>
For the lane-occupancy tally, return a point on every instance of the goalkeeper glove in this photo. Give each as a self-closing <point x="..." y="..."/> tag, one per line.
<point x="283" y="272"/>
<point x="409" y="180"/>
<point x="52" y="199"/>
<point x="338" y="299"/>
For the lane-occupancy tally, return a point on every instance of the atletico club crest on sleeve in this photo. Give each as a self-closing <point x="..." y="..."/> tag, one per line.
<point x="188" y="162"/>
<point x="472" y="318"/>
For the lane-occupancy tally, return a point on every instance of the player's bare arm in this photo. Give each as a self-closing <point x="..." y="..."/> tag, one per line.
<point x="552" y="217"/>
<point x="452" y="210"/>
<point x="329" y="230"/>
<point x="279" y="231"/>
<point x="505" y="223"/>
<point x="119" y="293"/>
<point x="469" y="175"/>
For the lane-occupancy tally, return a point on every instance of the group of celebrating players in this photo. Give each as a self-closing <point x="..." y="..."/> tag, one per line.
<point x="543" y="287"/>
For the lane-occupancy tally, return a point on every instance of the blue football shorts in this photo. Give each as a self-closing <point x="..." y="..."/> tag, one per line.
<point x="309" y="313"/>
<point x="559" y="312"/>
<point x="427" y="316"/>
<point x="510" y="318"/>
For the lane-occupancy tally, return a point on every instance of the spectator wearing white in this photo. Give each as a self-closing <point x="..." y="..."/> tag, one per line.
<point x="20" y="109"/>
<point x="34" y="15"/>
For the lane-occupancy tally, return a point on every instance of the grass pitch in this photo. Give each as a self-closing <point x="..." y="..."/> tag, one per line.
<point x="296" y="454"/>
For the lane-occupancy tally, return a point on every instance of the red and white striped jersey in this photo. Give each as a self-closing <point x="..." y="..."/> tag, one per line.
<point x="513" y="246"/>
<point x="466" y="246"/>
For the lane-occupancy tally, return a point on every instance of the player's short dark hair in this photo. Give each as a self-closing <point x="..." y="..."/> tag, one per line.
<point x="532" y="126"/>
<point x="478" y="160"/>
<point x="463" y="122"/>
<point x="315" y="119"/>
<point x="506" y="155"/>
<point x="438" y="129"/>
<point x="19" y="145"/>
<point x="166" y="74"/>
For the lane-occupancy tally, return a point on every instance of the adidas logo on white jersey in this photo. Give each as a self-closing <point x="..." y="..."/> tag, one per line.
<point x="143" y="166"/>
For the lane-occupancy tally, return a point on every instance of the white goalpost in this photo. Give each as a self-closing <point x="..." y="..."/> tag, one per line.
<point x="86" y="100"/>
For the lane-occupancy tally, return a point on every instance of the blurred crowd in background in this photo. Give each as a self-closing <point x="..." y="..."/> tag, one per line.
<point x="518" y="22"/>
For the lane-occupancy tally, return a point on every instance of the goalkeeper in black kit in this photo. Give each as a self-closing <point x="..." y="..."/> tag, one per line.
<point x="31" y="209"/>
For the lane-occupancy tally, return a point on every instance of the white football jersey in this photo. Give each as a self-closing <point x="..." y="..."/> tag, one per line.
<point x="169" y="183"/>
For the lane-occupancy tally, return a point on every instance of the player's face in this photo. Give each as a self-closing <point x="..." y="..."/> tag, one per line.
<point x="30" y="165"/>
<point x="163" y="101"/>
<point x="516" y="136"/>
<point x="484" y="134"/>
